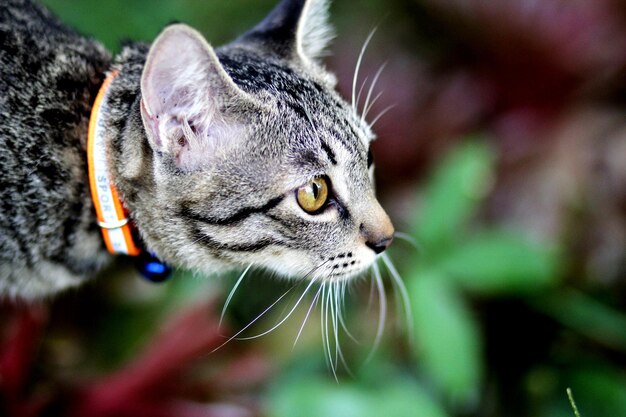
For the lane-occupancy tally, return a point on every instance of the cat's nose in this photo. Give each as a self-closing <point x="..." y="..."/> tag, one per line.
<point x="379" y="246"/>
<point x="377" y="230"/>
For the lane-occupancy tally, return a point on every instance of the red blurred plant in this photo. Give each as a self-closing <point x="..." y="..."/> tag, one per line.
<point x="157" y="383"/>
<point x="22" y="338"/>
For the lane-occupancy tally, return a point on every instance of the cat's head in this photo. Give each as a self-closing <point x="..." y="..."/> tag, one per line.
<point x="256" y="159"/>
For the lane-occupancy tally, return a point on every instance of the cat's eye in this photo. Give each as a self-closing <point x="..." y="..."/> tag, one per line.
<point x="313" y="196"/>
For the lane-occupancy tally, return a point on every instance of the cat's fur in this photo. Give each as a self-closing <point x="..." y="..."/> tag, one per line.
<point x="206" y="148"/>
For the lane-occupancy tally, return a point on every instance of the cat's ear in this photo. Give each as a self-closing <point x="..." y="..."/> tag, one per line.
<point x="295" y="29"/>
<point x="187" y="97"/>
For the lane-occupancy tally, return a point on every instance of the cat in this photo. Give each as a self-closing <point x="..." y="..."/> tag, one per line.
<point x="228" y="157"/>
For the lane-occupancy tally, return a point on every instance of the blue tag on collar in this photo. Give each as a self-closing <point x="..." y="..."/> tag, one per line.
<point x="152" y="268"/>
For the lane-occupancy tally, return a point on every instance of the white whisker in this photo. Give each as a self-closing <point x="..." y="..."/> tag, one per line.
<point x="232" y="292"/>
<point x="409" y="239"/>
<point x="381" y="114"/>
<point x="382" y="313"/>
<point x="367" y="106"/>
<point x="325" y="335"/>
<point x="333" y="365"/>
<point x="358" y="96"/>
<point x="399" y="284"/>
<point x="306" y="290"/>
<point x="338" y="352"/>
<point x="322" y="311"/>
<point x="340" y="309"/>
<point x="254" y="321"/>
<point x="308" y="313"/>
<point x="333" y="317"/>
<point x="370" y="299"/>
<point x="358" y="65"/>
<point x="342" y="322"/>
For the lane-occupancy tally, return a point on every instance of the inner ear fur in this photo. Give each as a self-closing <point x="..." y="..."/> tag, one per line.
<point x="186" y="94"/>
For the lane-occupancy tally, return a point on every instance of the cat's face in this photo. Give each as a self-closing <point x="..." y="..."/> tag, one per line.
<point x="266" y="166"/>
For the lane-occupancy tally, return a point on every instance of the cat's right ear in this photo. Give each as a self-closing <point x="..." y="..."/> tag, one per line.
<point x="294" y="29"/>
<point x="187" y="97"/>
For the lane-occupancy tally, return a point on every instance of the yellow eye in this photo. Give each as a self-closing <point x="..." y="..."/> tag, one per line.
<point x="313" y="195"/>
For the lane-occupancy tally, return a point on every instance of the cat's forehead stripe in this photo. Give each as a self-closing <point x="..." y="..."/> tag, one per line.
<point x="329" y="152"/>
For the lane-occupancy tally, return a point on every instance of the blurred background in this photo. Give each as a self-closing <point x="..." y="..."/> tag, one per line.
<point x="502" y="161"/>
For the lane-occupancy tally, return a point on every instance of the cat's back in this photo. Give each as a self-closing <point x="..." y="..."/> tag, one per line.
<point x="38" y="51"/>
<point x="49" y="76"/>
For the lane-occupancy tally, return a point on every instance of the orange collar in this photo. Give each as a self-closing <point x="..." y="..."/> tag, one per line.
<point x="110" y="212"/>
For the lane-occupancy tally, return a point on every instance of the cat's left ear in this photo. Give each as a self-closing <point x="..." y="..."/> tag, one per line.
<point x="295" y="29"/>
<point x="189" y="104"/>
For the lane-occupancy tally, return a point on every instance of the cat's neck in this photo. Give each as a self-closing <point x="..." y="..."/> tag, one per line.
<point x="126" y="142"/>
<point x="129" y="155"/>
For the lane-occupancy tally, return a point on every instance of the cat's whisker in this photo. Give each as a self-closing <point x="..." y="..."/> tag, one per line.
<point x="370" y="299"/>
<point x="311" y="271"/>
<point x="367" y="106"/>
<point x="333" y="366"/>
<point x="343" y="293"/>
<point x="254" y="321"/>
<point x="331" y="295"/>
<point x="340" y="313"/>
<point x="327" y="311"/>
<point x="324" y="329"/>
<point x="401" y="288"/>
<point x="306" y="290"/>
<point x="344" y="326"/>
<point x="358" y="96"/>
<point x="308" y="313"/>
<point x="358" y="66"/>
<point x="232" y="292"/>
<point x="381" y="114"/>
<point x="333" y="318"/>
<point x="409" y="239"/>
<point x="382" y="312"/>
<point x="338" y="352"/>
<point x="322" y="299"/>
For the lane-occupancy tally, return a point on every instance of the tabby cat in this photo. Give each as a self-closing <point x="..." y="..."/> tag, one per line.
<point x="228" y="157"/>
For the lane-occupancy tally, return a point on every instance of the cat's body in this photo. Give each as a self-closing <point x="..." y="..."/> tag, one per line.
<point x="49" y="76"/>
<point x="210" y="151"/>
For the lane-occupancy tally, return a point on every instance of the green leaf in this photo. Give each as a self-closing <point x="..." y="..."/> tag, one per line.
<point x="448" y="341"/>
<point x="453" y="194"/>
<point x="496" y="263"/>
<point x="586" y="316"/>
<point x="312" y="396"/>
<point x="405" y="399"/>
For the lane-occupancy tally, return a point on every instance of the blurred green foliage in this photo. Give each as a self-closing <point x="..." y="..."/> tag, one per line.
<point x="114" y="21"/>
<point x="458" y="258"/>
